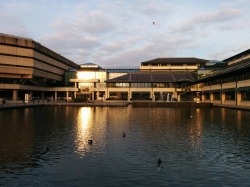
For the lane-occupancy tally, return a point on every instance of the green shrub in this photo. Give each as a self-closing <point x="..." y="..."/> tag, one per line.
<point x="80" y="100"/>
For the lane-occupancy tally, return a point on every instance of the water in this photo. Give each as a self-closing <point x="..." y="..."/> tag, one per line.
<point x="48" y="146"/>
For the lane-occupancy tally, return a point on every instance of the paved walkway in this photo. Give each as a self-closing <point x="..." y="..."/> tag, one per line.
<point x="233" y="107"/>
<point x="13" y="105"/>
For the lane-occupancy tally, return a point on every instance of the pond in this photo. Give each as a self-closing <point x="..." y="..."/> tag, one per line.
<point x="48" y="146"/>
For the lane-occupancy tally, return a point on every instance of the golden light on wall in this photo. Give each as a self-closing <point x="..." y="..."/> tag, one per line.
<point x="84" y="75"/>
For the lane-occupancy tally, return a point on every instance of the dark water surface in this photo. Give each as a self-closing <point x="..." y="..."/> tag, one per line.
<point x="48" y="146"/>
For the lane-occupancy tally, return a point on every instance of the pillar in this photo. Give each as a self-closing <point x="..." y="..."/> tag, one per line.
<point x="202" y="97"/>
<point x="211" y="97"/>
<point x="55" y="95"/>
<point x="128" y="96"/>
<point x="43" y="96"/>
<point x="97" y="95"/>
<point x="222" y="97"/>
<point x="238" y="98"/>
<point x="30" y="95"/>
<point x="67" y="95"/>
<point x="178" y="97"/>
<point x="15" y="95"/>
<point x="151" y="95"/>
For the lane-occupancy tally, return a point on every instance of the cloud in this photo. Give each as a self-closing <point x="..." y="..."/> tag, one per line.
<point x="203" y="20"/>
<point x="225" y="53"/>
<point x="11" y="21"/>
<point x="110" y="32"/>
<point x="112" y="29"/>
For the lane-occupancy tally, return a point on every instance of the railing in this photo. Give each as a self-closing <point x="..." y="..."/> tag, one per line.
<point x="121" y="67"/>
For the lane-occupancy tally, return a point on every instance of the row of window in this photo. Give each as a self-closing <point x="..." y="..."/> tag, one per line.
<point x="242" y="76"/>
<point x="146" y="85"/>
<point x="245" y="95"/>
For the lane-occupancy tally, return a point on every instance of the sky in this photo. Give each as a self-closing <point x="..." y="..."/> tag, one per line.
<point x="128" y="32"/>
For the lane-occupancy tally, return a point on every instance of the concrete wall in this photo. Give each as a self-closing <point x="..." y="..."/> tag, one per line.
<point x="25" y="58"/>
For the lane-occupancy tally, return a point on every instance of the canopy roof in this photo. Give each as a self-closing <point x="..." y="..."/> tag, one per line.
<point x="154" y="77"/>
<point x="164" y="61"/>
<point x="231" y="70"/>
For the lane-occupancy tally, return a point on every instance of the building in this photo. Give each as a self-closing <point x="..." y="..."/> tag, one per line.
<point x="229" y="86"/>
<point x="164" y="79"/>
<point x="190" y="64"/>
<point x="28" y="69"/>
<point x="91" y="80"/>
<point x="161" y="86"/>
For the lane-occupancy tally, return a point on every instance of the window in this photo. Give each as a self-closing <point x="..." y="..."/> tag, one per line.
<point x="230" y="95"/>
<point x="206" y="96"/>
<point x="245" y="95"/>
<point x="216" y="95"/>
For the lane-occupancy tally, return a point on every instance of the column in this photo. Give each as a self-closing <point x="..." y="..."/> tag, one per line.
<point x="15" y="95"/>
<point x="67" y="95"/>
<point x="55" y="95"/>
<point x="43" y="96"/>
<point x="128" y="95"/>
<point x="211" y="97"/>
<point x="238" y="97"/>
<point x="31" y="96"/>
<point x="202" y="97"/>
<point x="222" y="97"/>
<point x="178" y="97"/>
<point x="151" y="95"/>
<point x="97" y="95"/>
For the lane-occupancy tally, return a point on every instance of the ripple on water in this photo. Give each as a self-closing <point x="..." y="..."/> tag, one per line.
<point x="207" y="150"/>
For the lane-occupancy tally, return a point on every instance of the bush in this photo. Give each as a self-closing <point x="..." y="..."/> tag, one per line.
<point x="80" y="100"/>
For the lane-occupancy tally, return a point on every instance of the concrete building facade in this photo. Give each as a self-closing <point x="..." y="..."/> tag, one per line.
<point x="30" y="70"/>
<point x="163" y="79"/>
<point x="229" y="86"/>
<point x="27" y="67"/>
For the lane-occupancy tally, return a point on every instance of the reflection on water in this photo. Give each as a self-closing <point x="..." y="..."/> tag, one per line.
<point x="48" y="146"/>
<point x="195" y="130"/>
<point x="84" y="132"/>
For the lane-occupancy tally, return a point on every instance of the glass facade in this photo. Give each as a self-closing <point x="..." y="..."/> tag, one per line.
<point x="118" y="85"/>
<point x="69" y="75"/>
<point x="141" y="85"/>
<point x="91" y="79"/>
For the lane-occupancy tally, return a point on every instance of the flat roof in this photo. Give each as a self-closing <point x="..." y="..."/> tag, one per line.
<point x="175" y="60"/>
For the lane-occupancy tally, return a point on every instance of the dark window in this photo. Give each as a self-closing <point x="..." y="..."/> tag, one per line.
<point x="216" y="95"/>
<point x="206" y="96"/>
<point x="230" y="95"/>
<point x="245" y="95"/>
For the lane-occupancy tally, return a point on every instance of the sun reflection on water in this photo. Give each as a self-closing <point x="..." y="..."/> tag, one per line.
<point x="195" y="131"/>
<point x="84" y="132"/>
